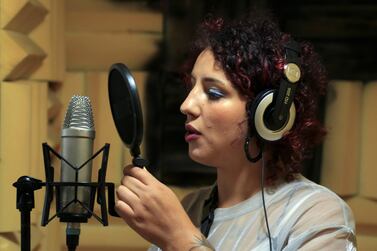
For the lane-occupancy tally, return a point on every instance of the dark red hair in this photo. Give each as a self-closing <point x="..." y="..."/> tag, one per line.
<point x="251" y="53"/>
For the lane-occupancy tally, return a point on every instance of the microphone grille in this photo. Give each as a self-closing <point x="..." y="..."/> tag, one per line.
<point x="79" y="113"/>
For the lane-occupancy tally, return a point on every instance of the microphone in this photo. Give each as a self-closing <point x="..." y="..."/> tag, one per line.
<point x="77" y="138"/>
<point x="75" y="193"/>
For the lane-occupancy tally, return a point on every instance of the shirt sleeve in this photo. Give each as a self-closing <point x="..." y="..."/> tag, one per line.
<point x="325" y="225"/>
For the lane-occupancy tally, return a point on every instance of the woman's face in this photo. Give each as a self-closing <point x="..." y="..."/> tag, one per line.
<point x="216" y="122"/>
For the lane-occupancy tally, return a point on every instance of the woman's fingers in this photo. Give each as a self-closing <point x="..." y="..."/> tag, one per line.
<point x="141" y="174"/>
<point x="135" y="185"/>
<point x="128" y="197"/>
<point x="124" y="210"/>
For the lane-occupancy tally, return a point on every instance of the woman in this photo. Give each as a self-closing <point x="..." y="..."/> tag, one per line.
<point x="251" y="114"/>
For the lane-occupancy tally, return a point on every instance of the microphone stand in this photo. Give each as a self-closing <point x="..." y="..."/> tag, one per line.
<point x="25" y="203"/>
<point x="26" y="186"/>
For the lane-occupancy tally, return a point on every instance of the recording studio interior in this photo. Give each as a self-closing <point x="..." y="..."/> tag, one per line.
<point x="51" y="50"/>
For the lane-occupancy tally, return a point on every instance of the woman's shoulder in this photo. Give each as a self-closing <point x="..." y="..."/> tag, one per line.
<point x="309" y="197"/>
<point x="303" y="189"/>
<point x="315" y="214"/>
<point x="193" y="203"/>
<point x="197" y="196"/>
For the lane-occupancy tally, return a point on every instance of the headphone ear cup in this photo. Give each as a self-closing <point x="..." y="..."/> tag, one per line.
<point x="260" y="112"/>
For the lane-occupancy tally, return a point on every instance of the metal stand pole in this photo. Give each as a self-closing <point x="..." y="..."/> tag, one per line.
<point x="25" y="203"/>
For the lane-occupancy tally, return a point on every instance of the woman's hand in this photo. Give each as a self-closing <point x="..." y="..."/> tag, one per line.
<point x="153" y="211"/>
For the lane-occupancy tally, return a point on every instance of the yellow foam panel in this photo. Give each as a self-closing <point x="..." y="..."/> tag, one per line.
<point x="111" y="237"/>
<point x="368" y="149"/>
<point x="366" y="242"/>
<point x="38" y="120"/>
<point x="52" y="237"/>
<point x="12" y="240"/>
<point x="8" y="242"/>
<point x="14" y="14"/>
<point x="74" y="84"/>
<point x="114" y="16"/>
<point x="49" y="36"/>
<point x="97" y="51"/>
<point x="22" y="130"/>
<point x="340" y="162"/>
<point x="366" y="222"/>
<point x="364" y="211"/>
<point x="20" y="56"/>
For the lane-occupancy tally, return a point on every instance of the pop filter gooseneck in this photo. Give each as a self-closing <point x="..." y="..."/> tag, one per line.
<point x="126" y="110"/>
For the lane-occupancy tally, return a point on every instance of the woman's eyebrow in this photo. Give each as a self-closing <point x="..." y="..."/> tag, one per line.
<point x="213" y="80"/>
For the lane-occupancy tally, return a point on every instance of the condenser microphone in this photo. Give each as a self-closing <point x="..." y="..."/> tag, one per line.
<point x="77" y="138"/>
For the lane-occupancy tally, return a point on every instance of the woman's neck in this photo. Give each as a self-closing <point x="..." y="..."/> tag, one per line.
<point x="237" y="183"/>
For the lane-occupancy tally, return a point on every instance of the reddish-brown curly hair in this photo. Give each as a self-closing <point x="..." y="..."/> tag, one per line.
<point x="251" y="53"/>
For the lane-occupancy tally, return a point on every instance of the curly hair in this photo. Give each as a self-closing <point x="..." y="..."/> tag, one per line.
<point x="251" y="53"/>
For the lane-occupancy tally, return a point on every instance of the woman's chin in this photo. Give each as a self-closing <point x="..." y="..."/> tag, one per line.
<point x="202" y="158"/>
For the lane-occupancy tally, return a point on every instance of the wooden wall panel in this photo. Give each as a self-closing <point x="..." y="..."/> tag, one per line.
<point x="364" y="211"/>
<point x="110" y="16"/>
<point x="341" y="148"/>
<point x="366" y="242"/>
<point x="116" y="235"/>
<point x="348" y="154"/>
<point x="15" y="153"/>
<point x="74" y="84"/>
<point x="38" y="121"/>
<point x="98" y="51"/>
<point x="38" y="135"/>
<point x="368" y="149"/>
<point x="23" y="118"/>
<point x="53" y="236"/>
<point x="8" y="242"/>
<point x="100" y="33"/>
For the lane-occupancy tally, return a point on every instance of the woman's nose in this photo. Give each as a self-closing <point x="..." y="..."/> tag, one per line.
<point x="190" y="107"/>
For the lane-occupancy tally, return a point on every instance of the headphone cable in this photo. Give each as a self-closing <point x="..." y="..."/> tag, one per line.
<point x="264" y="203"/>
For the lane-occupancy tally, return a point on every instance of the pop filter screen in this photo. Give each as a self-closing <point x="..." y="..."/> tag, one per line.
<point x="125" y="107"/>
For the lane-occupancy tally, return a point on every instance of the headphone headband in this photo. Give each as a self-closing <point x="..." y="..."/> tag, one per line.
<point x="273" y="111"/>
<point x="287" y="87"/>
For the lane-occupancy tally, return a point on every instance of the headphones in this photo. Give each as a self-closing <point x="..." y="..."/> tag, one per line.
<point x="272" y="113"/>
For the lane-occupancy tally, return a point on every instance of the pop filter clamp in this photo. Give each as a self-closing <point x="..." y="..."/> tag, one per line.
<point x="27" y="185"/>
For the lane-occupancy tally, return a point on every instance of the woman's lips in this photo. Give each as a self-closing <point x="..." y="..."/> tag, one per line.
<point x="191" y="133"/>
<point x="191" y="136"/>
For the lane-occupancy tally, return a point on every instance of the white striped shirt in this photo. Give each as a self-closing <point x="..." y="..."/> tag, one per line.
<point x="302" y="215"/>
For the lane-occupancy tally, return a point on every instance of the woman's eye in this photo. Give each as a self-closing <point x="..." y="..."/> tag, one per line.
<point x="214" y="93"/>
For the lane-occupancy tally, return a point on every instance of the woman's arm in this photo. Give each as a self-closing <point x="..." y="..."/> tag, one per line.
<point x="153" y="210"/>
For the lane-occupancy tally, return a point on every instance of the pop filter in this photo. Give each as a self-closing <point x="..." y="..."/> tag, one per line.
<point x="126" y="110"/>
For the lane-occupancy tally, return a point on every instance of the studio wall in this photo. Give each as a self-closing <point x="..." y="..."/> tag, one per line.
<point x="51" y="50"/>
